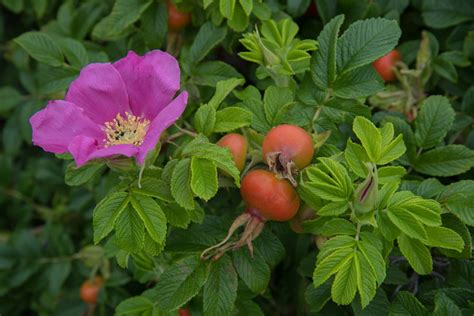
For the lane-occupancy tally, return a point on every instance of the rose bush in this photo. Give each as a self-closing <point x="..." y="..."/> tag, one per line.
<point x="236" y="157"/>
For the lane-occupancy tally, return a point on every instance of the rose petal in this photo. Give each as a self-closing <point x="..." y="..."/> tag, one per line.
<point x="84" y="149"/>
<point x="100" y="91"/>
<point x="163" y="120"/>
<point x="58" y="123"/>
<point x="151" y="80"/>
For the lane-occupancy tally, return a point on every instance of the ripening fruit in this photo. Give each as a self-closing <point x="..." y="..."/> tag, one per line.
<point x="90" y="290"/>
<point x="288" y="144"/>
<point x="177" y="20"/>
<point x="268" y="196"/>
<point x="238" y="147"/>
<point x="384" y="65"/>
<point x="184" y="312"/>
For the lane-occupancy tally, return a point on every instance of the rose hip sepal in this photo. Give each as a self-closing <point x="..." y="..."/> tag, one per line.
<point x="268" y="197"/>
<point x="113" y="109"/>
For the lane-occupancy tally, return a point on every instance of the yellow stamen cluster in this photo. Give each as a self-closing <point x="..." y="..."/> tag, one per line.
<point x="130" y="130"/>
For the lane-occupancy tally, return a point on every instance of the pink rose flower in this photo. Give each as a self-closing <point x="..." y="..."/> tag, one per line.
<point x="113" y="109"/>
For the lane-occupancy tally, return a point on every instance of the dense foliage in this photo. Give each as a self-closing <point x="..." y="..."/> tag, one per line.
<point x="386" y="210"/>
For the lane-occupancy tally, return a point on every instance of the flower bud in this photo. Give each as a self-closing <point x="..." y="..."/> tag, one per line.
<point x="366" y="193"/>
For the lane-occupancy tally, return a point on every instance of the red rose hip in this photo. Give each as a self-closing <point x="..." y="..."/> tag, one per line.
<point x="287" y="149"/>
<point x="238" y="147"/>
<point x="384" y="65"/>
<point x="268" y="196"/>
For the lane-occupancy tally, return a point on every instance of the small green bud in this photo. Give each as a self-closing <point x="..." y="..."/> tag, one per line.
<point x="366" y="193"/>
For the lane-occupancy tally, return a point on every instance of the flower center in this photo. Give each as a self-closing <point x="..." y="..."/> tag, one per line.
<point x="130" y="130"/>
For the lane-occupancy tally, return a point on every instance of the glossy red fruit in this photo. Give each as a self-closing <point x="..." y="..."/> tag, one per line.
<point x="177" y="20"/>
<point x="288" y="144"/>
<point x="384" y="65"/>
<point x="268" y="196"/>
<point x="184" y="312"/>
<point x="238" y="147"/>
<point x="90" y="290"/>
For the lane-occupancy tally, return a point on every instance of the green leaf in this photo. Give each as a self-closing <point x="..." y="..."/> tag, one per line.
<point x="154" y="24"/>
<point x="181" y="184"/>
<point x="459" y="198"/>
<point x="356" y="158"/>
<point x="444" y="238"/>
<point x="390" y="174"/>
<point x="212" y="72"/>
<point x="445" y="69"/>
<point x="220" y="290"/>
<point x="240" y="19"/>
<point x="433" y="121"/>
<point x="55" y="79"/>
<point x="365" y="279"/>
<point x="373" y="256"/>
<point x="332" y="263"/>
<point x="203" y="178"/>
<point x="222" y="157"/>
<point x="232" y="118"/>
<point x="333" y="208"/>
<point x="152" y="216"/>
<point x="137" y="305"/>
<point x="378" y="306"/>
<point x="440" y="14"/>
<point x="253" y="271"/>
<point x="119" y="22"/>
<point x="247" y="6"/>
<point x="9" y="97"/>
<point x="445" y="161"/>
<point x="276" y="99"/>
<point x="416" y="253"/>
<point x="155" y="188"/>
<point x="41" y="47"/>
<point x="226" y="7"/>
<point x="454" y="223"/>
<point x="369" y="136"/>
<point x="317" y="297"/>
<point x="107" y="212"/>
<point x="323" y="62"/>
<point x="329" y="180"/>
<point x="444" y="306"/>
<point x="405" y="304"/>
<point x="75" y="52"/>
<point x="176" y="215"/>
<point x="344" y="287"/>
<point x="365" y="41"/>
<point x="205" y="119"/>
<point x="338" y="226"/>
<point x="358" y="83"/>
<point x="124" y="14"/>
<point x="224" y="88"/>
<point x="424" y="210"/>
<point x="208" y="37"/>
<point x="15" y="6"/>
<point x="77" y="176"/>
<point x="181" y="282"/>
<point x="344" y="110"/>
<point x="392" y="151"/>
<point x="407" y="223"/>
<point x="129" y="231"/>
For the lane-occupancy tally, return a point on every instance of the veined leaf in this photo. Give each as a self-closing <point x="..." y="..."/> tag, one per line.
<point x="107" y="212"/>
<point x="203" y="178"/>
<point x="433" y="121"/>
<point x="365" y="41"/>
<point x="416" y="253"/>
